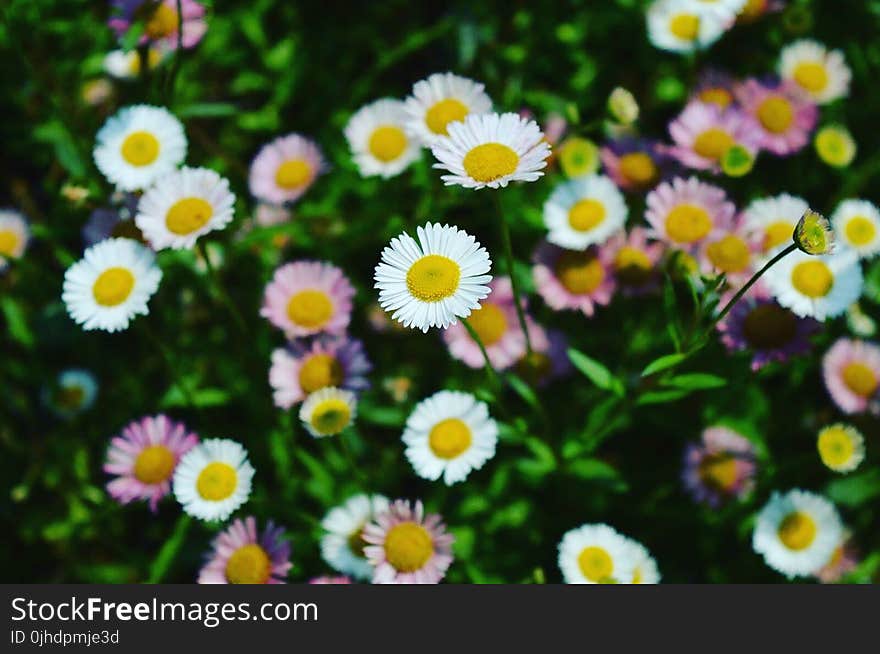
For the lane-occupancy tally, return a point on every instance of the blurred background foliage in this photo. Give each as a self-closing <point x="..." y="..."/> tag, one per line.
<point x="266" y="68"/>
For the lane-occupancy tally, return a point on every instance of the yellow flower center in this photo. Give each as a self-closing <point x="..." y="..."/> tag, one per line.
<point x="729" y="254"/>
<point x="776" y="114"/>
<point x="408" y="547"/>
<point x="586" y="215"/>
<point x="860" y="231"/>
<point x="293" y="174"/>
<point x="188" y="215"/>
<point x="811" y="75"/>
<point x="154" y="464"/>
<point x="449" y="438"/>
<point x="860" y="379"/>
<point x="249" y="564"/>
<point x="812" y="278"/>
<point x="778" y="233"/>
<point x="685" y="26"/>
<point x="718" y="96"/>
<point x="330" y="416"/>
<point x="579" y="272"/>
<point x="445" y="112"/>
<point x="718" y="471"/>
<point x="387" y="143"/>
<point x="140" y="148"/>
<point x="162" y="23"/>
<point x="632" y="266"/>
<point x="9" y="242"/>
<point x="836" y="447"/>
<point x="433" y="278"/>
<point x="769" y="327"/>
<point x="320" y="371"/>
<point x="489" y="322"/>
<point x="113" y="287"/>
<point x="713" y="143"/>
<point x="596" y="564"/>
<point x="490" y="161"/>
<point x="688" y="223"/>
<point x="310" y="309"/>
<point x="797" y="531"/>
<point x="638" y="168"/>
<point x="216" y="481"/>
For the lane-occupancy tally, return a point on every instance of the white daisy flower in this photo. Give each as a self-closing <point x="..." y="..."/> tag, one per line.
<point x="491" y="150"/>
<point x="14" y="235"/>
<point x="583" y="212"/>
<point x="138" y="145"/>
<point x="213" y="479"/>
<point x="857" y="225"/>
<point x="771" y="221"/>
<point x="645" y="567"/>
<point x="818" y="287"/>
<point x="183" y="205"/>
<point x="378" y="140"/>
<point x="328" y="411"/>
<point x="821" y="72"/>
<point x="596" y="554"/>
<point x="342" y="547"/>
<point x="431" y="282"/>
<point x="683" y="26"/>
<point x="441" y="99"/>
<point x="111" y="284"/>
<point x="126" y="64"/>
<point x="797" y="533"/>
<point x="449" y="434"/>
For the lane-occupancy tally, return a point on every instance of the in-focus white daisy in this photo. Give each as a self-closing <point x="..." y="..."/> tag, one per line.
<point x="342" y="547"/>
<point x="431" y="282"/>
<point x="213" y="479"/>
<point x="821" y="72"/>
<point x="771" y="221"/>
<point x="14" y="235"/>
<point x="449" y="434"/>
<point x="857" y="225"/>
<point x="596" y="554"/>
<point x="378" y="140"/>
<point x="111" y="284"/>
<point x="797" y="532"/>
<point x="441" y="99"/>
<point x="328" y="411"/>
<point x="491" y="150"/>
<point x="183" y="205"/>
<point x="818" y="287"/>
<point x="583" y="212"/>
<point x="683" y="25"/>
<point x="126" y="64"/>
<point x="138" y="145"/>
<point x="645" y="569"/>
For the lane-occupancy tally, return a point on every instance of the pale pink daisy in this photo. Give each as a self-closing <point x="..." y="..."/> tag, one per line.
<point x="144" y="457"/>
<point x="242" y="555"/>
<point x="687" y="212"/>
<point x="308" y="297"/>
<point x="784" y="114"/>
<point x="635" y="260"/>
<point x="285" y="168"/>
<point x="305" y="367"/>
<point x="161" y="23"/>
<point x="720" y="467"/>
<point x="732" y="252"/>
<point x="571" y="279"/>
<point x="405" y="546"/>
<point x="852" y="375"/>
<point x="703" y="132"/>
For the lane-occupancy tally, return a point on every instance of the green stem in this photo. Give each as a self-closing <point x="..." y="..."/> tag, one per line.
<point x="221" y="290"/>
<point x="349" y="457"/>
<point x="490" y="371"/>
<point x="165" y="558"/>
<point x="175" y="65"/>
<point x="508" y="255"/>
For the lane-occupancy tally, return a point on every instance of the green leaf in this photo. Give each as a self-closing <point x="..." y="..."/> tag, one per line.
<point x="592" y="469"/>
<point x="165" y="558"/>
<point x="523" y="390"/>
<point x="595" y="372"/>
<point x="207" y="110"/>
<point x="695" y="381"/>
<point x="16" y="323"/>
<point x="662" y="363"/>
<point x="661" y="397"/>
<point x="855" y="489"/>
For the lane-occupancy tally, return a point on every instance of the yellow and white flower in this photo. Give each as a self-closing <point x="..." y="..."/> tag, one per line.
<point x="841" y="447"/>
<point x="683" y="25"/>
<point x="111" y="284"/>
<point x="441" y="99"/>
<point x="771" y="221"/>
<point x="378" y="139"/>
<point x="138" y="145"/>
<point x="583" y="212"/>
<point x="432" y="282"/>
<point x="491" y="150"/>
<point x="645" y="570"/>
<point x="449" y="434"/>
<point x="328" y="411"/>
<point x="820" y="72"/>
<point x="213" y="479"/>
<point x="184" y="205"/>
<point x="797" y="532"/>
<point x="126" y="64"/>
<point x="342" y="547"/>
<point x="596" y="554"/>
<point x="857" y="224"/>
<point x="14" y="235"/>
<point x="816" y="286"/>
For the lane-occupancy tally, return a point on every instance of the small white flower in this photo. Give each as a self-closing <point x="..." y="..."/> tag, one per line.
<point x="596" y="554"/>
<point x="328" y="411"/>
<point x="857" y="225"/>
<point x="821" y="72"/>
<point x="771" y="221"/>
<point x="213" y="479"/>
<point x="816" y="286"/>
<point x="441" y="99"/>
<point x="14" y="236"/>
<point x="683" y="25"/>
<point x="583" y="212"/>
<point x="378" y="140"/>
<point x="342" y="547"/>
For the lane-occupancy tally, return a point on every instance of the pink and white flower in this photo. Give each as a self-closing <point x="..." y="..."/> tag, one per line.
<point x="242" y="555"/>
<point x="784" y="114"/>
<point x="571" y="279"/>
<point x="285" y="168"/>
<point x="703" y="132"/>
<point x="852" y="375"/>
<point x="686" y="213"/>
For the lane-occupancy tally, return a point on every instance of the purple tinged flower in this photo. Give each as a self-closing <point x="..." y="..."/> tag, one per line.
<point x="720" y="467"/>
<point x="242" y="555"/>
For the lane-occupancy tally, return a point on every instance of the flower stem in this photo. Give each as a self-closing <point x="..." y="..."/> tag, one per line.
<point x="490" y="370"/>
<point x="175" y="65"/>
<point x="221" y="290"/>
<point x="162" y="563"/>
<point x="508" y="255"/>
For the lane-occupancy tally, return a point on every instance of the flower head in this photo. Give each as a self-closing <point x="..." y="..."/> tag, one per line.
<point x="635" y="260"/>
<point x="857" y="227"/>
<point x="213" y="479"/>
<point x="816" y="286"/>
<point x="597" y="554"/>
<point x="636" y="165"/>
<point x="573" y="279"/>
<point x="687" y="212"/>
<point x="841" y="447"/>
<point x="328" y="411"/>
<point x="14" y="235"/>
<point x="578" y="157"/>
<point x="439" y="100"/>
<point x="72" y="393"/>
<point x="813" y="234"/>
<point x="342" y="547"/>
<point x="285" y="168"/>
<point x="784" y="115"/>
<point x="703" y="133"/>
<point x="683" y="25"/>
<point x="720" y="467"/>
<point x="852" y="374"/>
<point x="835" y="145"/>
<point x="583" y="212"/>
<point x="243" y="555"/>
<point x="161" y="21"/>
<point x="622" y="106"/>
<point x="378" y="139"/>
<point x="771" y="221"/>
<point x="821" y="73"/>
